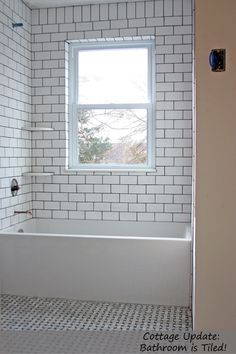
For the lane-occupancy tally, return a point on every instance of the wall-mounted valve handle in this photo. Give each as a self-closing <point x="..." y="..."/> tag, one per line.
<point x="14" y="187"/>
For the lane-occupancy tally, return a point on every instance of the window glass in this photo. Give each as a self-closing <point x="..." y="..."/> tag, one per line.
<point x="112" y="136"/>
<point x="113" y="76"/>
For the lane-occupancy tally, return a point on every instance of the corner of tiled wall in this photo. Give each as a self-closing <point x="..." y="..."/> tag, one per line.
<point x="161" y="196"/>
<point x="15" y="109"/>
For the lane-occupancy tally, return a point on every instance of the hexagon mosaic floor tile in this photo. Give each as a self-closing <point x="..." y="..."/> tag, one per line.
<point x="21" y="313"/>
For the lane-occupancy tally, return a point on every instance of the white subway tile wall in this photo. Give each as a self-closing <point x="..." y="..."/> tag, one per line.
<point x="15" y="109"/>
<point x="162" y="195"/>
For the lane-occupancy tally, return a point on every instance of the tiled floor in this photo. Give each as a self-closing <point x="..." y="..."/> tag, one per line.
<point x="21" y="313"/>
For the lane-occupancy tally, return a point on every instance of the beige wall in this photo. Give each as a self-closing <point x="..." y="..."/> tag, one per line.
<point x="215" y="247"/>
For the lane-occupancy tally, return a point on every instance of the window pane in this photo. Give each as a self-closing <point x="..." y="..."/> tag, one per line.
<point x="112" y="136"/>
<point x="113" y="76"/>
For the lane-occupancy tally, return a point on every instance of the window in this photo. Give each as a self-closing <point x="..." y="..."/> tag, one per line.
<point x="111" y="105"/>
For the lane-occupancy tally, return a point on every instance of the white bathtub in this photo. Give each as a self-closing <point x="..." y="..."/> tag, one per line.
<point x="101" y="261"/>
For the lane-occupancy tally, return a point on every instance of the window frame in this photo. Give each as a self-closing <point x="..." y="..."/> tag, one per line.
<point x="74" y="49"/>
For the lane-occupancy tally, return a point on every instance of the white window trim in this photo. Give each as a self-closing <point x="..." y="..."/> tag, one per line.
<point x="74" y="48"/>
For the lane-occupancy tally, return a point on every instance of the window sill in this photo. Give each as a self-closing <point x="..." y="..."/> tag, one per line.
<point x="68" y="170"/>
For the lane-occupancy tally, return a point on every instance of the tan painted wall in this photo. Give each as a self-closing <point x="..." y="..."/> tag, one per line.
<point x="215" y="248"/>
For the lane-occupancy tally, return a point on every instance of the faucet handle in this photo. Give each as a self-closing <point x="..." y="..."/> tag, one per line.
<point x="14" y="187"/>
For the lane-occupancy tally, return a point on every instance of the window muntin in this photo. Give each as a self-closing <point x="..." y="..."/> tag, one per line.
<point x="111" y="106"/>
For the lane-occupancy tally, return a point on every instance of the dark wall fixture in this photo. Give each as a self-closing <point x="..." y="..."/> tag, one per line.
<point x="19" y="24"/>
<point x="217" y="60"/>
<point x="14" y="187"/>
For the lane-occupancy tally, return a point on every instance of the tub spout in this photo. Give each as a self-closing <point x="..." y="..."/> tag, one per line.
<point x="28" y="212"/>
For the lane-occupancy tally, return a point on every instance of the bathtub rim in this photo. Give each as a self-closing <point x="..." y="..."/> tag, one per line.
<point x="105" y="237"/>
<point x="101" y="229"/>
